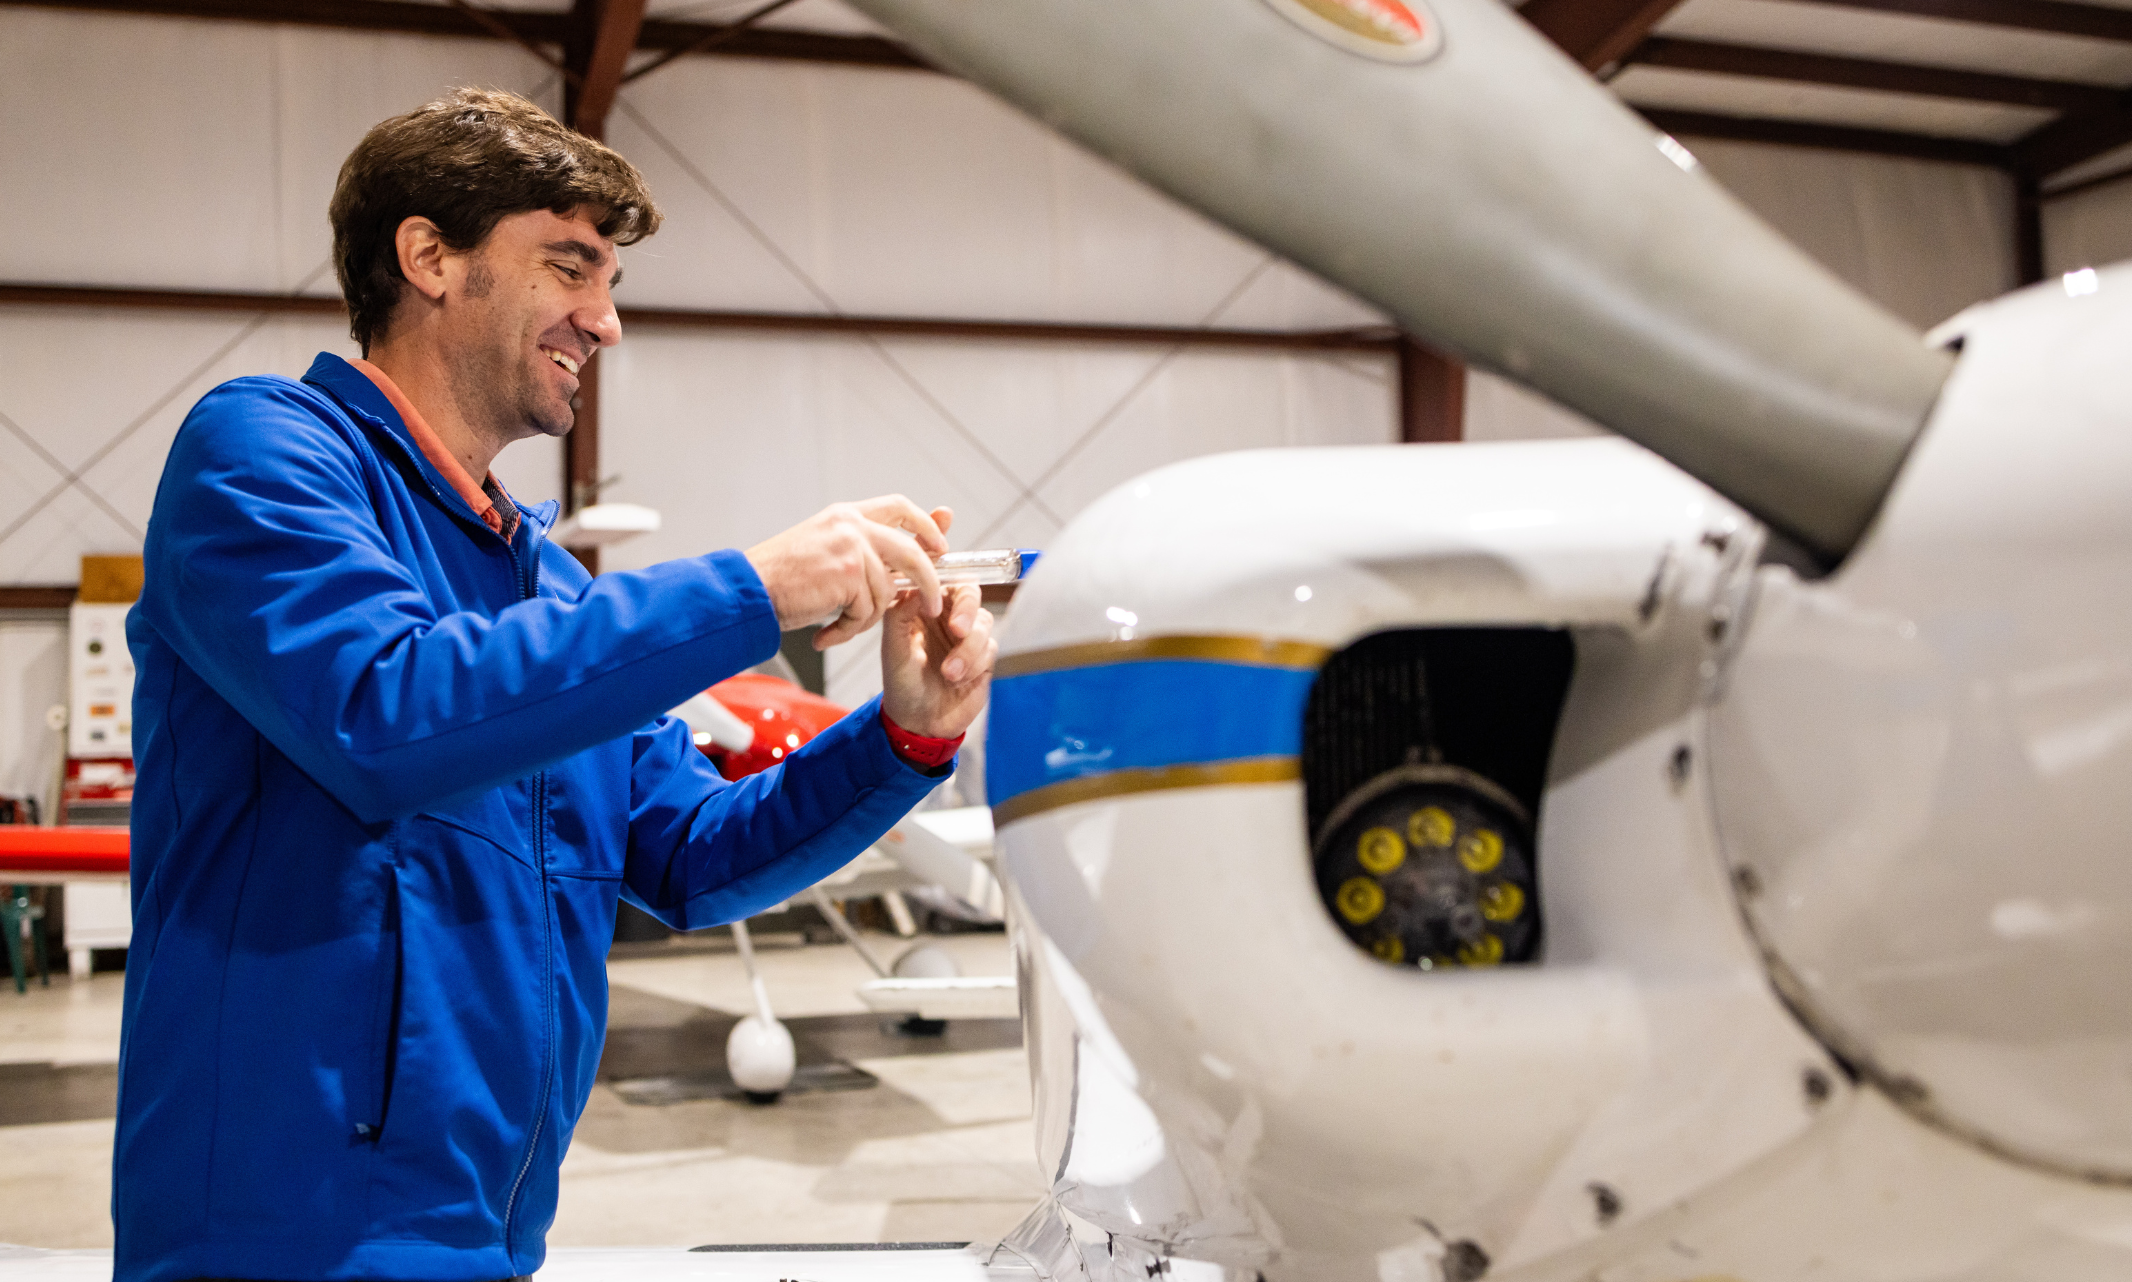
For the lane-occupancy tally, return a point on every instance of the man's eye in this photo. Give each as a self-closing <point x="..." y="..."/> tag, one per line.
<point x="567" y="270"/>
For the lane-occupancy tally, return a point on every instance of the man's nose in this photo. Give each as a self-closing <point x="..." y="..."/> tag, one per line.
<point x="599" y="322"/>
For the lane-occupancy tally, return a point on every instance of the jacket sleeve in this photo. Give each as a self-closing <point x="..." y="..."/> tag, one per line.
<point x="703" y="851"/>
<point x="269" y="574"/>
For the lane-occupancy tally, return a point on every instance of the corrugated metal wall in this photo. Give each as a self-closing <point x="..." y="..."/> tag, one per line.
<point x="199" y="155"/>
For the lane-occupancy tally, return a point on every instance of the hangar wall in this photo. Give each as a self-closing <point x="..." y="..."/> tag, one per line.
<point x="199" y="155"/>
<point x="2088" y="228"/>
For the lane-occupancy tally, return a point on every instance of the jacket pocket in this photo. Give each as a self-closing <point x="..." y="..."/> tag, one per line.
<point x="298" y="1041"/>
<point x="585" y="812"/>
<point x="385" y="1015"/>
<point x="471" y="1043"/>
<point x="489" y="815"/>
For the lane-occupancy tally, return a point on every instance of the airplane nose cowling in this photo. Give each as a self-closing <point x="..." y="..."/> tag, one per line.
<point x="1923" y="766"/>
<point x="1344" y="838"/>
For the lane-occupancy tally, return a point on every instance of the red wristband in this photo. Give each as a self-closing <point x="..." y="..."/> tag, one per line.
<point x="917" y="749"/>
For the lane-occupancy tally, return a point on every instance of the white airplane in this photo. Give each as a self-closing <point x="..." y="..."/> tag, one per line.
<point x="1558" y="862"/>
<point x="1562" y="860"/>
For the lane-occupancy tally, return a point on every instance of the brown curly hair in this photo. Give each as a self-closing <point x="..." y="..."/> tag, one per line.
<point x="465" y="162"/>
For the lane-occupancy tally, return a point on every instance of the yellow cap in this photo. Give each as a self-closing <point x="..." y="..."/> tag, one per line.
<point x="1431" y="826"/>
<point x="1485" y="951"/>
<point x="1502" y="901"/>
<point x="1359" y="899"/>
<point x="1380" y="851"/>
<point x="1481" y="850"/>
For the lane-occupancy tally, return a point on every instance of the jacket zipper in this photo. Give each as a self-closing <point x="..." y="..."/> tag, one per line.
<point x="528" y="578"/>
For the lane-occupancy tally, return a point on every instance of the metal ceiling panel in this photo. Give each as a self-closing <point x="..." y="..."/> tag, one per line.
<point x="1821" y="104"/>
<point x="2115" y="161"/>
<point x="1857" y="33"/>
<point x="810" y="15"/>
<point x="515" y="6"/>
<point x="830" y="16"/>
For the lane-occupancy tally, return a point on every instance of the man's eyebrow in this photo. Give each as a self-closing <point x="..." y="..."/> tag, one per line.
<point x="590" y="255"/>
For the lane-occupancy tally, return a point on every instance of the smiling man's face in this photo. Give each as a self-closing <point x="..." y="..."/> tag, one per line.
<point x="535" y="301"/>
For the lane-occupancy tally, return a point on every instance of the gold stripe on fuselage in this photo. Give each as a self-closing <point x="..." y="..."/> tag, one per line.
<point x="1119" y="783"/>
<point x="1262" y="651"/>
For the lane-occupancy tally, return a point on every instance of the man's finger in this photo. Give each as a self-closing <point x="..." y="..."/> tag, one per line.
<point x="900" y="629"/>
<point x="900" y="513"/>
<point x="857" y="616"/>
<point x="943" y="517"/>
<point x="872" y="594"/>
<point x="904" y="556"/>
<point x="965" y="603"/>
<point x="880" y="586"/>
<point x="971" y="657"/>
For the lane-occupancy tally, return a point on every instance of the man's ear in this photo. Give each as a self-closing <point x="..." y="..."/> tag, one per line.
<point x="422" y="255"/>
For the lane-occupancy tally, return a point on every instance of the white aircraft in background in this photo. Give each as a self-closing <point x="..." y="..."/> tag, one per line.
<point x="1558" y="862"/>
<point x="748" y="723"/>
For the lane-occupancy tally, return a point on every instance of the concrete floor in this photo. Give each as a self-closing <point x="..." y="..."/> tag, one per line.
<point x="939" y="1149"/>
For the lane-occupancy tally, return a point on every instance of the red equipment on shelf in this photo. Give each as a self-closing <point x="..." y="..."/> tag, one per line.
<point x="31" y="849"/>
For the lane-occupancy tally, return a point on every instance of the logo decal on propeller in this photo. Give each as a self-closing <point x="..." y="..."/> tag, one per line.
<point x="1387" y="30"/>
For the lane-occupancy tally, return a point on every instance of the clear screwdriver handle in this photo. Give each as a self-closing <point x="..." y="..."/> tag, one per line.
<point x="995" y="565"/>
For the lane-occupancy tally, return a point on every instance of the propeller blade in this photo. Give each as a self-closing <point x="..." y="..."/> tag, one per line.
<point x="1457" y="170"/>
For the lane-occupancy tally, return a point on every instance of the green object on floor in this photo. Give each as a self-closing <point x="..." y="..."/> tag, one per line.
<point x="22" y="922"/>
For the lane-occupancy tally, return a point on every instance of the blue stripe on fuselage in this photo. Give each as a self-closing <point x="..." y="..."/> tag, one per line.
<point x="1048" y="727"/>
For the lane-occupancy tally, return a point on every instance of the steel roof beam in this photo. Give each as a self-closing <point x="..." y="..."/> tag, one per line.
<point x="2076" y="137"/>
<point x="1596" y="32"/>
<point x="1862" y="73"/>
<point x="1798" y="133"/>
<point x="1369" y="339"/>
<point x="553" y="29"/>
<point x="2057" y="17"/>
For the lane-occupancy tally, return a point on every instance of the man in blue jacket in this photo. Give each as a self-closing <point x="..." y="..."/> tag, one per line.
<point x="399" y="756"/>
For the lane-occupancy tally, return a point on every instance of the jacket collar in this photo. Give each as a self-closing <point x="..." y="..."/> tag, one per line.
<point x="361" y="398"/>
<point x="359" y="395"/>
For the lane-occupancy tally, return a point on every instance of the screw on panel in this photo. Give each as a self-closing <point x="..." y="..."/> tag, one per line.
<point x="1647" y="608"/>
<point x="1464" y="1261"/>
<point x="1677" y="766"/>
<point x="1817" y="1086"/>
<point x="1606" y="1203"/>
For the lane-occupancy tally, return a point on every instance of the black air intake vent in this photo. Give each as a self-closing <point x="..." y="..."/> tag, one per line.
<point x="1486" y="699"/>
<point x="1424" y="757"/>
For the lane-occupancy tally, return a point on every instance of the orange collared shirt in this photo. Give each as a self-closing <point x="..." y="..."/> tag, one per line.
<point x="484" y="496"/>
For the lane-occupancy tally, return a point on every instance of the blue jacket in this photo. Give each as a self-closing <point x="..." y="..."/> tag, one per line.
<point x="393" y="774"/>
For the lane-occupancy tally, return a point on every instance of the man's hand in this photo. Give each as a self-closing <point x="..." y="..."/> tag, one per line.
<point x="935" y="667"/>
<point x="839" y="564"/>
